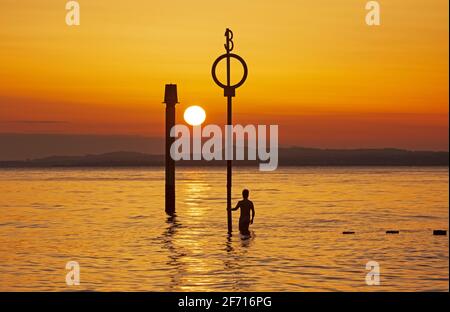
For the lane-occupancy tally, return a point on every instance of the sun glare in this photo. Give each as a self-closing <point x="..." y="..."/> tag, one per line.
<point x="194" y="115"/>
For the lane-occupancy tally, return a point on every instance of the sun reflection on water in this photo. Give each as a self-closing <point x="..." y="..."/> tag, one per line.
<point x="113" y="223"/>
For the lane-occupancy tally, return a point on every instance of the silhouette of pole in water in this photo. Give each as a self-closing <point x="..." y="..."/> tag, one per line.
<point x="170" y="99"/>
<point x="229" y="93"/>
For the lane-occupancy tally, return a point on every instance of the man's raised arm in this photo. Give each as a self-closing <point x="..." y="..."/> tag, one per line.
<point x="237" y="206"/>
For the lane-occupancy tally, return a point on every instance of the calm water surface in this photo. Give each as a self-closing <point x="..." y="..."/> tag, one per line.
<point x="112" y="222"/>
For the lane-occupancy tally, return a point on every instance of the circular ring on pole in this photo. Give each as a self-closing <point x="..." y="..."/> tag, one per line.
<point x="231" y="55"/>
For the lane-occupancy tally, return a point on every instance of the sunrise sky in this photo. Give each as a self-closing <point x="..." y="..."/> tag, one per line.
<point x="315" y="68"/>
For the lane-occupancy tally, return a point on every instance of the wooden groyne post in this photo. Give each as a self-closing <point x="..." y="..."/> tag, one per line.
<point x="170" y="99"/>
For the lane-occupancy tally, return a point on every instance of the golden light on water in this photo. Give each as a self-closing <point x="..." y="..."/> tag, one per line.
<point x="112" y="222"/>
<point x="194" y="115"/>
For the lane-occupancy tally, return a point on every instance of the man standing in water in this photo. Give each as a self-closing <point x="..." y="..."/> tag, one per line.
<point x="246" y="205"/>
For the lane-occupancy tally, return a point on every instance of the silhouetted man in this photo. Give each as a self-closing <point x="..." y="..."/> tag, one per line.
<point x="246" y="205"/>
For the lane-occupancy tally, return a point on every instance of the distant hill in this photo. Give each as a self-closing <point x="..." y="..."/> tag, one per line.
<point x="361" y="157"/>
<point x="96" y="160"/>
<point x="295" y="156"/>
<point x="21" y="146"/>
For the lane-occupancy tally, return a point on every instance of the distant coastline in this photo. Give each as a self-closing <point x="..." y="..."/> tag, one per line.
<point x="295" y="156"/>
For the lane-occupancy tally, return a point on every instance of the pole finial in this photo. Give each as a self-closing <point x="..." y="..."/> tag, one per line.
<point x="229" y="90"/>
<point x="229" y="44"/>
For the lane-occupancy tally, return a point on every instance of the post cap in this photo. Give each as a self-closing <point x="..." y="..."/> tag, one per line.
<point x="170" y="94"/>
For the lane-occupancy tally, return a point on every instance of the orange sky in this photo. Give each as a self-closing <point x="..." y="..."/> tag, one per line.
<point x="315" y="68"/>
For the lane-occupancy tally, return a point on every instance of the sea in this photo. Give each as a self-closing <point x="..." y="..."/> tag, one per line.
<point x="111" y="223"/>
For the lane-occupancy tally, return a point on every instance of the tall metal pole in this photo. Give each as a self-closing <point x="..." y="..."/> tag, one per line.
<point x="170" y="99"/>
<point x="229" y="36"/>
<point x="229" y="169"/>
<point x="229" y="92"/>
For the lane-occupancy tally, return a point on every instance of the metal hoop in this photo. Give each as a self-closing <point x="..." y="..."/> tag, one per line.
<point x="232" y="55"/>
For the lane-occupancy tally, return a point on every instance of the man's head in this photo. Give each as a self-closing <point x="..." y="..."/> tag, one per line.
<point x="245" y="193"/>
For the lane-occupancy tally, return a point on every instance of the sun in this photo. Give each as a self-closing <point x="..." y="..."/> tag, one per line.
<point x="194" y="115"/>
